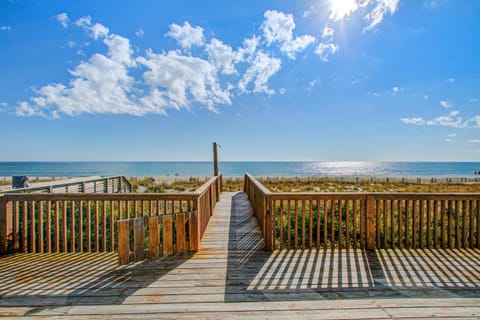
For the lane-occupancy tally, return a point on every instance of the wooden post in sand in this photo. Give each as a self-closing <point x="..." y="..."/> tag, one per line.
<point x="215" y="160"/>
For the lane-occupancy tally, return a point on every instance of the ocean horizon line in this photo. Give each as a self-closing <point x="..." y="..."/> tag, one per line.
<point x="238" y="168"/>
<point x="246" y="161"/>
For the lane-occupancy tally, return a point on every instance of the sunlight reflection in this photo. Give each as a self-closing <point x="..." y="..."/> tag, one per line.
<point x="342" y="168"/>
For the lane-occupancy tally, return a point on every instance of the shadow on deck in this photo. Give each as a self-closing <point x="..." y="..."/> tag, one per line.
<point x="47" y="280"/>
<point x="253" y="274"/>
<point x="230" y="267"/>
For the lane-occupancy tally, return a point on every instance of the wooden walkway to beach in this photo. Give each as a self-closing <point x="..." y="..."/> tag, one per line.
<point x="231" y="277"/>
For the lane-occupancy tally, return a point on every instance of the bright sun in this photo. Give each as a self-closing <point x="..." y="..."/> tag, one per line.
<point x="342" y="8"/>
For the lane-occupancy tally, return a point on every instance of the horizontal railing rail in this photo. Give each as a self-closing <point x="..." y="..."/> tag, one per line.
<point x="365" y="220"/>
<point x="87" y="222"/>
<point x="259" y="196"/>
<point x="113" y="184"/>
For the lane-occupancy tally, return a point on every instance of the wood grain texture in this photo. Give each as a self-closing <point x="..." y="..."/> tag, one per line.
<point x="232" y="277"/>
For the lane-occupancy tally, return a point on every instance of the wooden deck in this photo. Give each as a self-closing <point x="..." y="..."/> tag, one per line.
<point x="232" y="277"/>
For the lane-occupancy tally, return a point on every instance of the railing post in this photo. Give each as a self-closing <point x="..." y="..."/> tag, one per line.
<point x="370" y="222"/>
<point x="6" y="225"/>
<point x="267" y="213"/>
<point x="197" y="209"/>
<point x="217" y="188"/>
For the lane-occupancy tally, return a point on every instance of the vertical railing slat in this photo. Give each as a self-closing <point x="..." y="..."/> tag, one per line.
<point x="72" y="226"/>
<point x="49" y="227"/>
<point x="33" y="245"/>
<point x="89" y="225"/>
<point x="80" y="226"/>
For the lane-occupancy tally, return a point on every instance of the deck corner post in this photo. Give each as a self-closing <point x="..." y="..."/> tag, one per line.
<point x="245" y="186"/>
<point x="6" y="225"/>
<point x="269" y="229"/>
<point x="370" y="223"/>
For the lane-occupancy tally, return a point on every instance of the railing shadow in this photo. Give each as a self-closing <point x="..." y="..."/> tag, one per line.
<point x="49" y="281"/>
<point x="257" y="275"/>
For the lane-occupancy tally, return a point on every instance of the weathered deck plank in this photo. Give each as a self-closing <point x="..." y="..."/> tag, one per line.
<point x="232" y="277"/>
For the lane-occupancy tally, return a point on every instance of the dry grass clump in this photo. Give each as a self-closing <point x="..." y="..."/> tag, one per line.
<point x="232" y="184"/>
<point x="335" y="185"/>
<point x="149" y="185"/>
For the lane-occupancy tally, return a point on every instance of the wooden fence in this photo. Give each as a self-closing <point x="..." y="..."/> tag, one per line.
<point x="97" y="184"/>
<point x="365" y="220"/>
<point x="77" y="222"/>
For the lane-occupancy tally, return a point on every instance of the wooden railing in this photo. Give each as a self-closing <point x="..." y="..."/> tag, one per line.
<point x="97" y="184"/>
<point x="77" y="222"/>
<point x="259" y="197"/>
<point x="365" y="220"/>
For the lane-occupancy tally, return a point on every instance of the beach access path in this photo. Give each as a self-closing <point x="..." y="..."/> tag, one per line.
<point x="231" y="277"/>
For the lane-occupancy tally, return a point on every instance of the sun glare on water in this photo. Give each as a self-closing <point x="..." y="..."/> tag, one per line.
<point x="339" y="9"/>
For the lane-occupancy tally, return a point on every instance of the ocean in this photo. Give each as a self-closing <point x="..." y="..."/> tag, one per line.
<point x="238" y="168"/>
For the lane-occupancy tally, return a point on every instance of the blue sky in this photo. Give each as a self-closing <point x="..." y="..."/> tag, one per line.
<point x="323" y="80"/>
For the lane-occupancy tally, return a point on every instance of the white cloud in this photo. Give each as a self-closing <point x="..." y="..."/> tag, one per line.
<point x="100" y="85"/>
<point x="139" y="33"/>
<point x="451" y="80"/>
<point x="222" y="56"/>
<point x="118" y="82"/>
<point x="449" y="140"/>
<point x="446" y="104"/>
<point x="327" y="32"/>
<point x="99" y="31"/>
<point x="473" y="122"/>
<point x="474" y="140"/>
<point x="5" y="28"/>
<point x="416" y="121"/>
<point x="119" y="49"/>
<point x="474" y="100"/>
<point x="395" y="89"/>
<point x="71" y="44"/>
<point x="179" y="81"/>
<point x="249" y="48"/>
<point x="278" y="28"/>
<point x="377" y="14"/>
<point x="96" y="31"/>
<point x="84" y="21"/>
<point x="324" y="50"/>
<point x="63" y="19"/>
<point x="261" y="69"/>
<point x="24" y="109"/>
<point x="452" y="135"/>
<point x="425" y="97"/>
<point x="374" y="10"/>
<point x="186" y="35"/>
<point x="452" y="120"/>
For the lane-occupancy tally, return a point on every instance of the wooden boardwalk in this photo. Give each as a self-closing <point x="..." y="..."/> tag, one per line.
<point x="232" y="277"/>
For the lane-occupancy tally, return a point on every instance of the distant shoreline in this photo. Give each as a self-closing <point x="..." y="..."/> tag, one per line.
<point x="238" y="169"/>
<point x="173" y="178"/>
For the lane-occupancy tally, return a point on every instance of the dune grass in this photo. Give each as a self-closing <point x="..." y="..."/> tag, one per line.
<point x="312" y="184"/>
